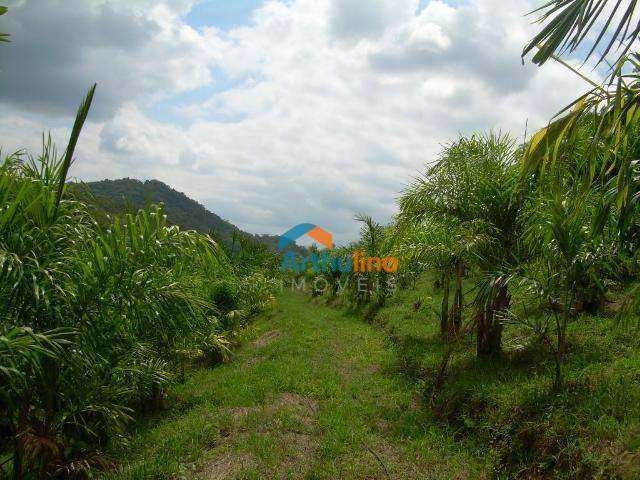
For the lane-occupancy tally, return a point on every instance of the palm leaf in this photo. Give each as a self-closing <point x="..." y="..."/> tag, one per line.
<point x="81" y="116"/>
<point x="613" y="110"/>
<point x="569" y="22"/>
<point x="4" y="37"/>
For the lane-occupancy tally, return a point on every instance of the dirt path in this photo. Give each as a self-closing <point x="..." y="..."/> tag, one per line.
<point x="311" y="394"/>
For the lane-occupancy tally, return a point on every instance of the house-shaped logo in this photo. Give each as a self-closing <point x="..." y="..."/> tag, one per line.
<point x="320" y="235"/>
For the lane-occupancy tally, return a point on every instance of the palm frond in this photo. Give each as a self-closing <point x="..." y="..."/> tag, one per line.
<point x="4" y="37"/>
<point x="610" y="113"/>
<point x="570" y="22"/>
<point x="81" y="116"/>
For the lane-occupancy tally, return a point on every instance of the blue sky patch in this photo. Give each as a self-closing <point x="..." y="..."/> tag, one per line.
<point x="223" y="14"/>
<point x="168" y="110"/>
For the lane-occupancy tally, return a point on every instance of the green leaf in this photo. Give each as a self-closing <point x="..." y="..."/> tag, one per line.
<point x="81" y="116"/>
<point x="569" y="22"/>
<point x="4" y="37"/>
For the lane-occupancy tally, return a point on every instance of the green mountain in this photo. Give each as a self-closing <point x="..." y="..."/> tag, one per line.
<point x="130" y="195"/>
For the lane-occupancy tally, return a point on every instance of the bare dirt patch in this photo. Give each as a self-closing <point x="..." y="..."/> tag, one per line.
<point x="254" y="360"/>
<point x="238" y="413"/>
<point x="225" y="466"/>
<point x="267" y="338"/>
<point x="303" y="443"/>
<point x="300" y="406"/>
<point x="383" y="461"/>
<point x="265" y="420"/>
<point x="295" y="401"/>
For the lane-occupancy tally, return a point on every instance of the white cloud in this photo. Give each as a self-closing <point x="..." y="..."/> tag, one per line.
<point x="334" y="104"/>
<point x="59" y="48"/>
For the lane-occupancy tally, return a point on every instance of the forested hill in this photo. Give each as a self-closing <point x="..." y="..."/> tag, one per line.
<point x="130" y="195"/>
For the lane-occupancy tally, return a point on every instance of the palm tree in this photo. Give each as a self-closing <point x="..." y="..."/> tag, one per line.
<point x="431" y="246"/>
<point x="448" y="248"/>
<point x="612" y="109"/>
<point x="473" y="192"/>
<point x="23" y="355"/>
<point x="95" y="320"/>
<point x="569" y="265"/>
<point x="374" y="243"/>
<point x="248" y="255"/>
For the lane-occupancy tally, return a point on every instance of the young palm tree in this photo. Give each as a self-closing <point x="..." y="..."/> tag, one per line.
<point x="572" y="258"/>
<point x="448" y="248"/>
<point x="374" y="243"/>
<point x="474" y="191"/>
<point x="248" y="255"/>
<point x="95" y="321"/>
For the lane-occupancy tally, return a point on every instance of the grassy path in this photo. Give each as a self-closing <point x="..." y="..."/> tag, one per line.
<point x="313" y="394"/>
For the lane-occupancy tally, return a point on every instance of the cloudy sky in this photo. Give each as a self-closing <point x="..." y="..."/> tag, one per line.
<point x="272" y="113"/>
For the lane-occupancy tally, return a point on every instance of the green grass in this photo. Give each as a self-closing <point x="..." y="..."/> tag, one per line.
<point x="321" y="398"/>
<point x="330" y="395"/>
<point x="591" y="429"/>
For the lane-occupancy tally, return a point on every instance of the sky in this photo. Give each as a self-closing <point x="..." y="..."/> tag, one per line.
<point x="273" y="113"/>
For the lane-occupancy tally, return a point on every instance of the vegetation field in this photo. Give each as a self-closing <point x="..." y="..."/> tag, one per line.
<point x="319" y="392"/>
<point x="314" y="392"/>
<point x="488" y="329"/>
